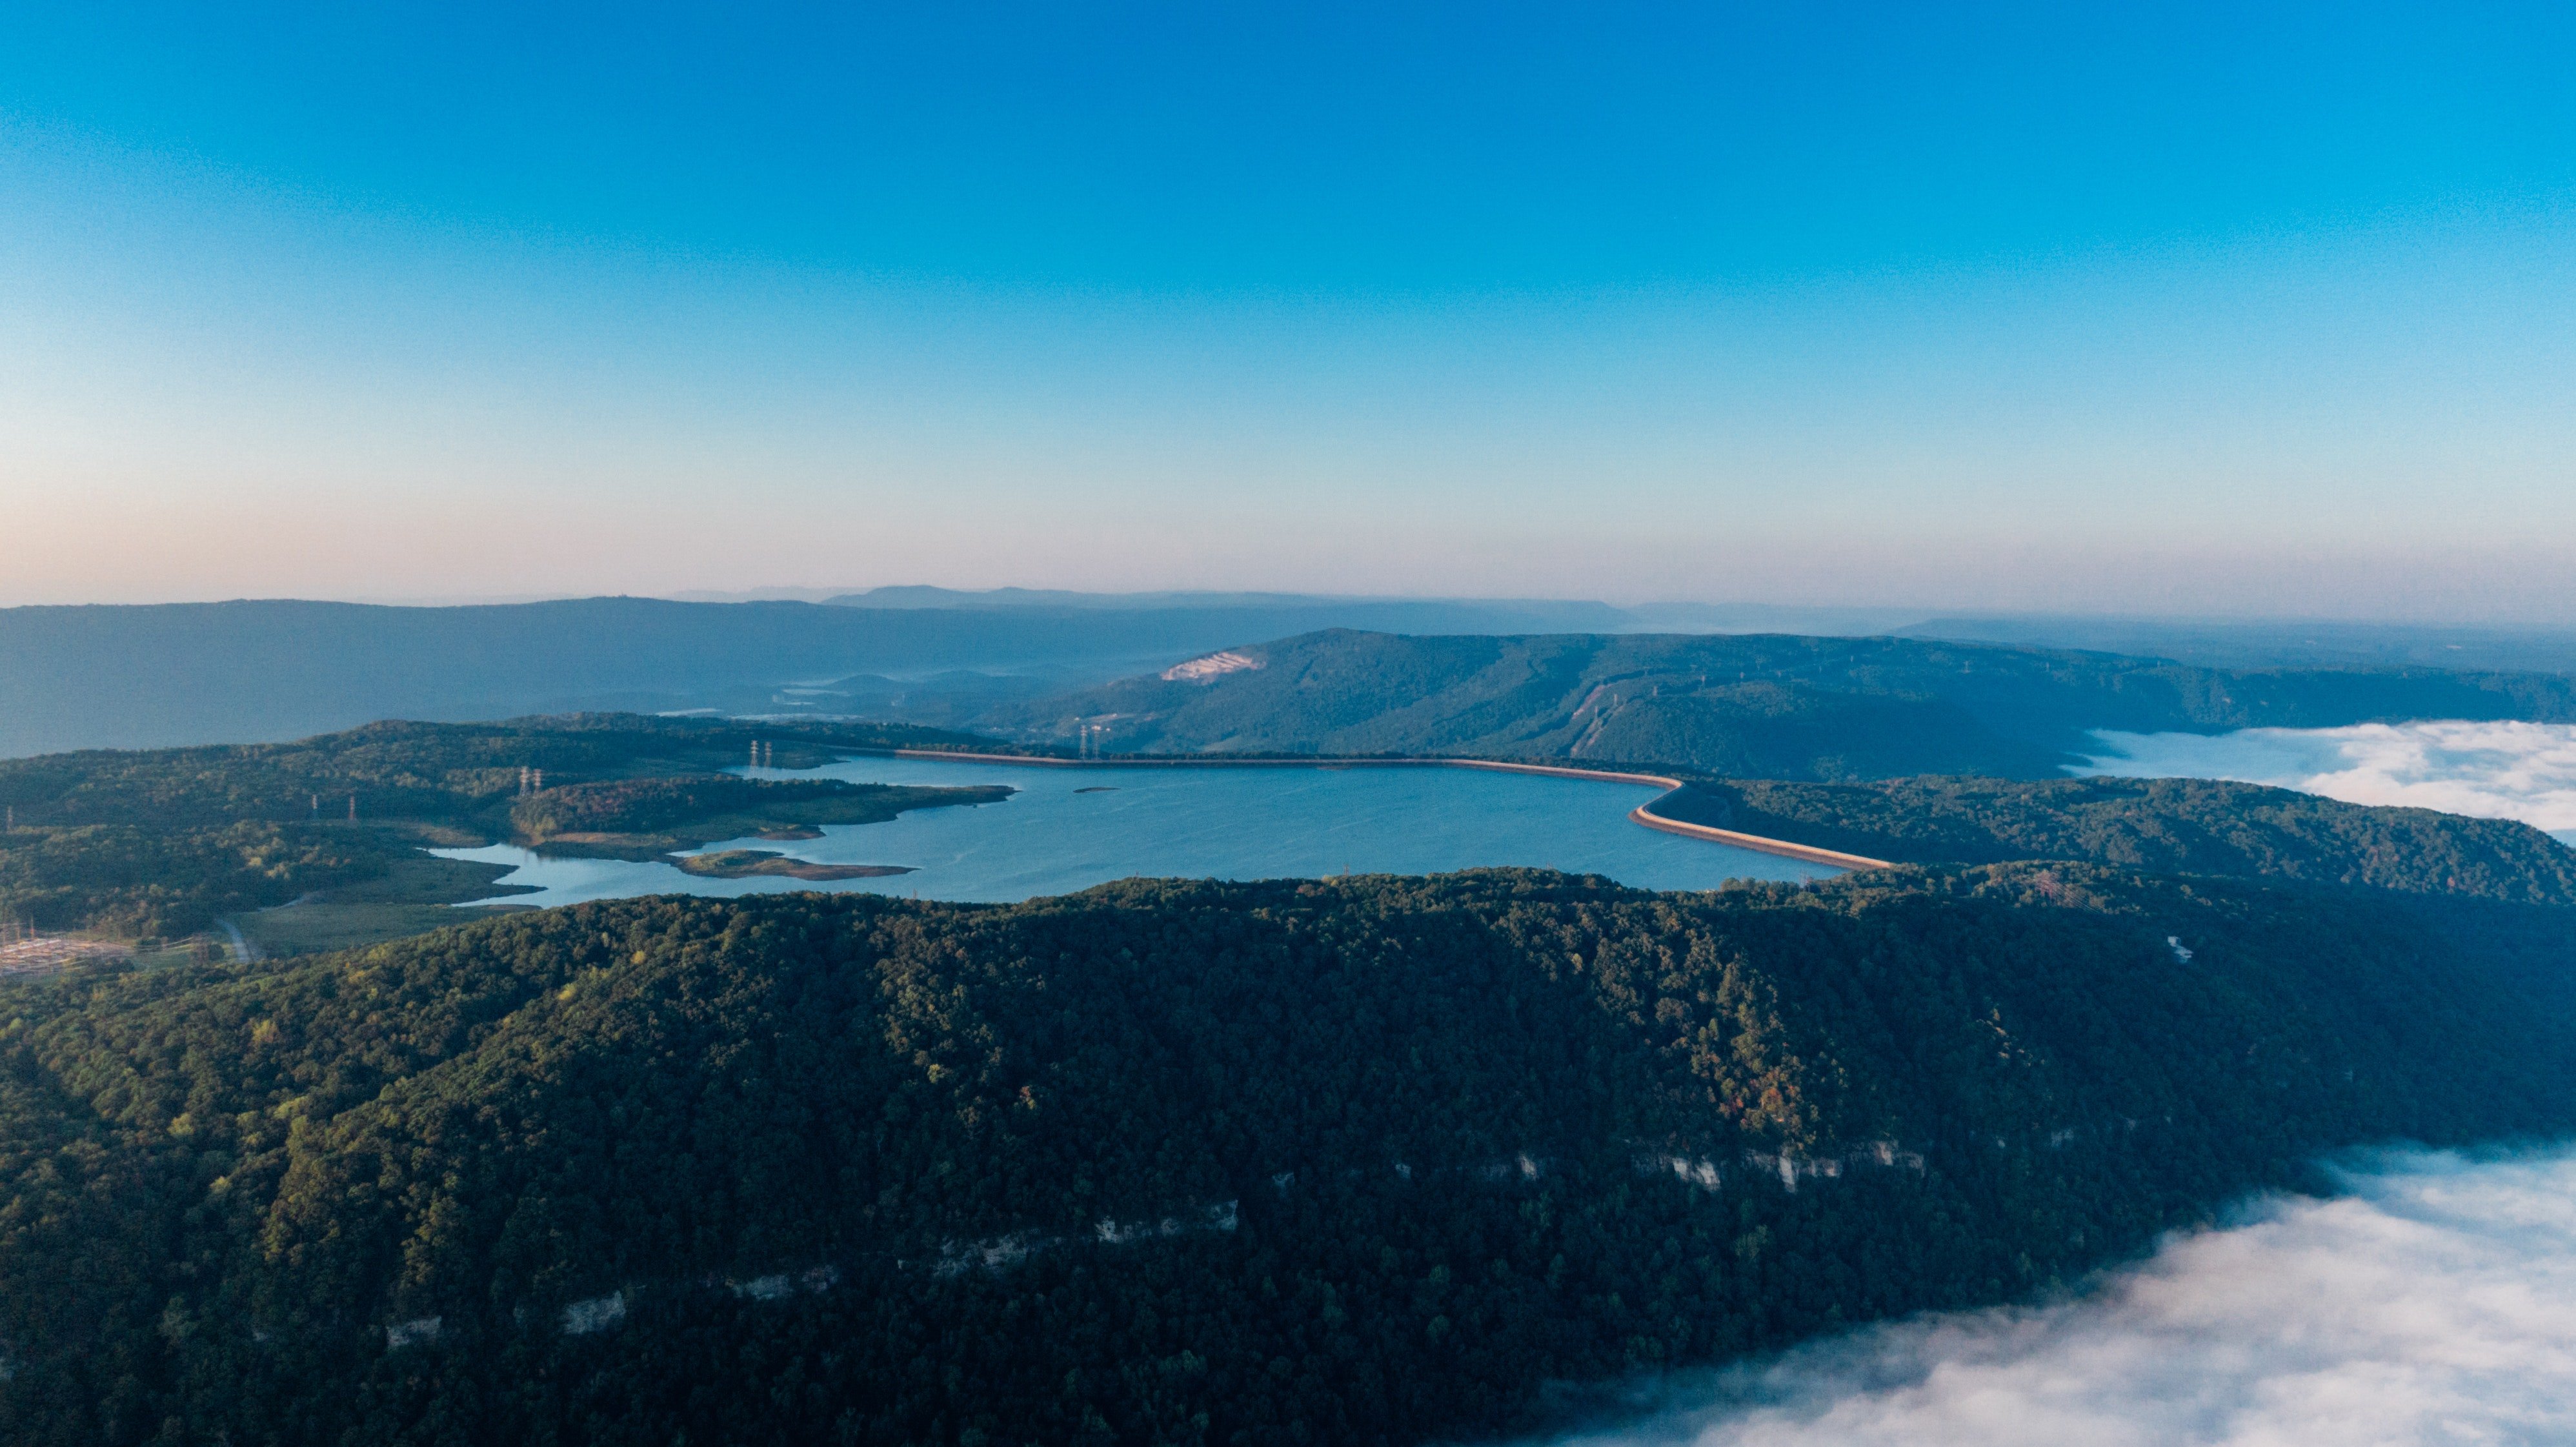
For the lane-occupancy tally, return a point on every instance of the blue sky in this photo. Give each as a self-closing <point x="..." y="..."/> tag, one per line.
<point x="2191" y="310"/>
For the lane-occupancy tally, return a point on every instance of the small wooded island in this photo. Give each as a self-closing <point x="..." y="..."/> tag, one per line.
<point x="748" y="863"/>
<point x="652" y="818"/>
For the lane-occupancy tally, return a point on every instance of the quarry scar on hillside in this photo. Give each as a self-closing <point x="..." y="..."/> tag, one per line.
<point x="1643" y="814"/>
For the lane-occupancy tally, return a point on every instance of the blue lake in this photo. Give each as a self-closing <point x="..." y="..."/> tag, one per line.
<point x="1069" y="828"/>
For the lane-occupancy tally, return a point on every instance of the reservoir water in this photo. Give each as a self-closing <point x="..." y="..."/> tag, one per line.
<point x="1071" y="828"/>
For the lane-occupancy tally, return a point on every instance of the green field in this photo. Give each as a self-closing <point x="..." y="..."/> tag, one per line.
<point x="311" y="929"/>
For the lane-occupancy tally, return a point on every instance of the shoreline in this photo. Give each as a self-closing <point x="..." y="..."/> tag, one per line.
<point x="1643" y="815"/>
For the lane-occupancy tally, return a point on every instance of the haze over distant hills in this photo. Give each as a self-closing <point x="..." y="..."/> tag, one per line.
<point x="1766" y="706"/>
<point x="252" y="671"/>
<point x="1546" y="614"/>
<point x="248" y="671"/>
<point x="2261" y="643"/>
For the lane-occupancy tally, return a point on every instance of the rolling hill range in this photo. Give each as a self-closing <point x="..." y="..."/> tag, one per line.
<point x="263" y="671"/>
<point x="1751" y="706"/>
<point x="2164" y="826"/>
<point x="2249" y="643"/>
<point x="1354" y="1160"/>
<point x="245" y="672"/>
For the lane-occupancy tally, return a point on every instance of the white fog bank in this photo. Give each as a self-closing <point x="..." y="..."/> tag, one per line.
<point x="2524" y="771"/>
<point x="2436" y="1303"/>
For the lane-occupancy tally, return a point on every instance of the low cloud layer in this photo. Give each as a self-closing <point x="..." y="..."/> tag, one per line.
<point x="2436" y="1303"/>
<point x="2524" y="771"/>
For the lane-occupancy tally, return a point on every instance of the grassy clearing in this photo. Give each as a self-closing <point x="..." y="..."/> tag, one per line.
<point x="414" y="896"/>
<point x="318" y="928"/>
<point x="426" y="879"/>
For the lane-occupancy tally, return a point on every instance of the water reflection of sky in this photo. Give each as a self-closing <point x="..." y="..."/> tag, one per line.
<point x="1071" y="828"/>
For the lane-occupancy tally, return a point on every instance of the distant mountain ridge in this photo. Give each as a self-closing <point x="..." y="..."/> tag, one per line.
<point x="2162" y="826"/>
<point x="268" y="670"/>
<point x="2248" y="643"/>
<point x="1742" y="706"/>
<point x="1421" y="614"/>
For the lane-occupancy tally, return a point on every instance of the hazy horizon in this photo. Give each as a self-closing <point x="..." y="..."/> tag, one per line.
<point x="1809" y="616"/>
<point x="2198" y="314"/>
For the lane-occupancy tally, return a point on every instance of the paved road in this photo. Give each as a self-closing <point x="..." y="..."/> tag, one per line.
<point x="243" y="950"/>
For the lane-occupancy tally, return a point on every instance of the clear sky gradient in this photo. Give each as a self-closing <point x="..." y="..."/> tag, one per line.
<point x="2206" y="310"/>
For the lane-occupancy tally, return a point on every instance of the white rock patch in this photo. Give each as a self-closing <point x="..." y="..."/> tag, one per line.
<point x="1212" y="667"/>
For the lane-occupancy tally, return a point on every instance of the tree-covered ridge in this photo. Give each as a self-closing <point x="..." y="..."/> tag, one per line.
<point x="164" y="842"/>
<point x="1289" y="1162"/>
<point x="153" y="676"/>
<point x="2163" y="826"/>
<point x="459" y="774"/>
<point x="141" y="882"/>
<point x="1745" y="706"/>
<point x="649" y="818"/>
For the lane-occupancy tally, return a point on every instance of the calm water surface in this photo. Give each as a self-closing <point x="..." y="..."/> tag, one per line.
<point x="1071" y="828"/>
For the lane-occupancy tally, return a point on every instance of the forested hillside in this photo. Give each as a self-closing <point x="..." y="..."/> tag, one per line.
<point x="187" y="673"/>
<point x="1753" y="706"/>
<point x="1363" y="1160"/>
<point x="2164" y="826"/>
<point x="162" y="842"/>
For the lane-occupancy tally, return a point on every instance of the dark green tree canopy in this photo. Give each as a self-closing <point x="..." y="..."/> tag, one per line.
<point x="1353" y="1160"/>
